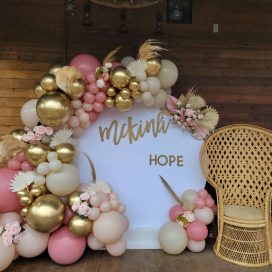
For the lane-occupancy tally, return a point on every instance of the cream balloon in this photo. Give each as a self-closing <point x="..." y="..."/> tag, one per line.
<point x="64" y="182"/>
<point x="205" y="215"/>
<point x="6" y="255"/>
<point x="118" y="248"/>
<point x="154" y="85"/>
<point x="93" y="243"/>
<point x="188" y="198"/>
<point x="148" y="99"/>
<point x="168" y="74"/>
<point x="32" y="243"/>
<point x="127" y="60"/>
<point x="10" y="217"/>
<point x="29" y="115"/>
<point x="173" y="238"/>
<point x="160" y="99"/>
<point x="196" y="246"/>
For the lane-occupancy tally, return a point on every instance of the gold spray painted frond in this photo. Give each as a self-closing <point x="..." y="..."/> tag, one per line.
<point x="111" y="56"/>
<point x="150" y="49"/>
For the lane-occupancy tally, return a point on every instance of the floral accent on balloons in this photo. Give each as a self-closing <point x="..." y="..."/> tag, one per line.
<point x="10" y="233"/>
<point x="37" y="135"/>
<point x="60" y="137"/>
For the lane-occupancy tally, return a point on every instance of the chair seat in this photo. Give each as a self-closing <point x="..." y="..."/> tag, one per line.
<point x="244" y="213"/>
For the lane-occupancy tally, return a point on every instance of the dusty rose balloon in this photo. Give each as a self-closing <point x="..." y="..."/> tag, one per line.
<point x="197" y="231"/>
<point x="200" y="203"/>
<point x="109" y="227"/>
<point x="92" y="88"/>
<point x="27" y="166"/>
<point x="93" y="116"/>
<point x="91" y="78"/>
<point x="21" y="156"/>
<point x="98" y="107"/>
<point x="202" y="194"/>
<point x="7" y="255"/>
<point x="89" y="97"/>
<point x="8" y="200"/>
<point x="196" y="246"/>
<point x="64" y="247"/>
<point x="93" y="243"/>
<point x="14" y="164"/>
<point x="100" y="97"/>
<point x="77" y="132"/>
<point x="105" y="88"/>
<point x="209" y="202"/>
<point x="205" y="215"/>
<point x="29" y="115"/>
<point x="10" y="217"/>
<point x="68" y="215"/>
<point x="175" y="211"/>
<point x="118" y="248"/>
<point x="32" y="243"/>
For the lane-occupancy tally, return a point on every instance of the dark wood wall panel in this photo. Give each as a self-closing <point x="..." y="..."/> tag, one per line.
<point x="231" y="69"/>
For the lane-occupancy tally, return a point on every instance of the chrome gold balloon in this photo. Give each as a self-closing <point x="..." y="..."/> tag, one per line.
<point x="35" y="192"/>
<point x="48" y="83"/>
<point x="22" y="193"/>
<point x="125" y="93"/>
<point x="46" y="213"/>
<point x="153" y="66"/>
<point x="134" y="85"/>
<point x="54" y="68"/>
<point x="37" y="153"/>
<point x="80" y="226"/>
<point x="123" y="104"/>
<point x="26" y="200"/>
<point x="76" y="90"/>
<point x="74" y="197"/>
<point x="17" y="134"/>
<point x="111" y="91"/>
<point x="39" y="91"/>
<point x="109" y="102"/>
<point x="136" y="94"/>
<point x="66" y="152"/>
<point x="54" y="109"/>
<point x="23" y="211"/>
<point x="120" y="77"/>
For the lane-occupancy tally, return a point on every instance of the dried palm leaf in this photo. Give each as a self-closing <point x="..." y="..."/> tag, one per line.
<point x="111" y="56"/>
<point x="66" y="76"/>
<point x="196" y="102"/>
<point x="150" y="49"/>
<point x="210" y="119"/>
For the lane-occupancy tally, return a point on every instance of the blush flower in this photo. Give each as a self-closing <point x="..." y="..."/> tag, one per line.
<point x="85" y="196"/>
<point x="39" y="130"/>
<point x="15" y="228"/>
<point x="49" y="131"/>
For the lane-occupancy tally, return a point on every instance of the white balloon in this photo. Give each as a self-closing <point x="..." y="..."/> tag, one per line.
<point x="154" y="85"/>
<point x="196" y="246"/>
<point x="29" y="115"/>
<point x="148" y="99"/>
<point x="64" y="182"/>
<point x="39" y="180"/>
<point x="52" y="156"/>
<point x="43" y="169"/>
<point x="168" y="74"/>
<point x="7" y="255"/>
<point x="127" y="60"/>
<point x="143" y="86"/>
<point x="173" y="238"/>
<point x="160" y="99"/>
<point x="168" y="91"/>
<point x="205" y="215"/>
<point x="10" y="217"/>
<point x="55" y="165"/>
<point x="93" y="243"/>
<point x="188" y="198"/>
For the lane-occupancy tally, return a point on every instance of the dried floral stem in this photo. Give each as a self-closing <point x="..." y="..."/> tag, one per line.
<point x="111" y="56"/>
<point x="150" y="49"/>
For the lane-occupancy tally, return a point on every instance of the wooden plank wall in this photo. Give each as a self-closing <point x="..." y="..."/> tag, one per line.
<point x="231" y="69"/>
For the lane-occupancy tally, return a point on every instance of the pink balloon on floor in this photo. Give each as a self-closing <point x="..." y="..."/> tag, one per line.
<point x="175" y="211"/>
<point x="118" y="248"/>
<point x="209" y="202"/>
<point x="8" y="200"/>
<point x="64" y="247"/>
<point x="197" y="231"/>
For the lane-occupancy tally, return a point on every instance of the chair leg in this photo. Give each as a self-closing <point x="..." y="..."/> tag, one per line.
<point x="219" y="237"/>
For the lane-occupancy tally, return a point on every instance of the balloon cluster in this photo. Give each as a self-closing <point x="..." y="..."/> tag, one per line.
<point x="188" y="226"/>
<point x="20" y="163"/>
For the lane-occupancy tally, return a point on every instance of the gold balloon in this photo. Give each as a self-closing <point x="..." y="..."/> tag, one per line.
<point x="153" y="66"/>
<point x="54" y="109"/>
<point x="134" y="85"/>
<point x="120" y="77"/>
<point x="37" y="153"/>
<point x="80" y="226"/>
<point x="22" y="193"/>
<point x="66" y="152"/>
<point x="23" y="211"/>
<point x="135" y="94"/>
<point x="17" y="134"/>
<point x="109" y="102"/>
<point x="111" y="91"/>
<point x="46" y="213"/>
<point x="74" y="197"/>
<point x="35" y="192"/>
<point x="39" y="91"/>
<point x="43" y="188"/>
<point x="76" y="90"/>
<point x="123" y="104"/>
<point x="125" y="93"/>
<point x="26" y="200"/>
<point x="48" y="83"/>
<point x="54" y="68"/>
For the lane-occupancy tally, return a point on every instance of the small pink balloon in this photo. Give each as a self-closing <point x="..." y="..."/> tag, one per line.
<point x="78" y="132"/>
<point x="199" y="203"/>
<point x="175" y="211"/>
<point x="89" y="97"/>
<point x="202" y="194"/>
<point x="92" y="88"/>
<point x="83" y="117"/>
<point x="100" y="97"/>
<point x="98" y="107"/>
<point x="105" y="88"/>
<point x="27" y="166"/>
<point x="102" y="195"/>
<point x="14" y="164"/>
<point x="91" y="78"/>
<point x="197" y="231"/>
<point x="74" y="122"/>
<point x="21" y="156"/>
<point x="96" y="200"/>
<point x="93" y="116"/>
<point x="105" y="206"/>
<point x="8" y="200"/>
<point x="118" y="248"/>
<point x="209" y="202"/>
<point x="93" y="243"/>
<point x="68" y="215"/>
<point x="76" y="104"/>
<point x="87" y="107"/>
<point x="64" y="247"/>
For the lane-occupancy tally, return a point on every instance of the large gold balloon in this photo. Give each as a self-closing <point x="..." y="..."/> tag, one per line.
<point x="66" y="152"/>
<point x="76" y="90"/>
<point x="17" y="134"/>
<point x="120" y="77"/>
<point x="123" y="104"/>
<point x="109" y="102"/>
<point x="46" y="213"/>
<point x="54" y="109"/>
<point x="37" y="153"/>
<point x="74" y="197"/>
<point x="134" y="85"/>
<point x="153" y="66"/>
<point x="80" y="226"/>
<point x="54" y="68"/>
<point x="48" y="83"/>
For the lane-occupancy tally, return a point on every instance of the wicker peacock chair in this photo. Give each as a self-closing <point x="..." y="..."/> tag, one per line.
<point x="237" y="162"/>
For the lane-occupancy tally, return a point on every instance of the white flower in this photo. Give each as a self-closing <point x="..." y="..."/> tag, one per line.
<point x="61" y="136"/>
<point x="137" y="68"/>
<point x="100" y="83"/>
<point x="22" y="180"/>
<point x="108" y="65"/>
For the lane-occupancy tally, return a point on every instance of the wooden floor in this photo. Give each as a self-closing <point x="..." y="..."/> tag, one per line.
<point x="136" y="261"/>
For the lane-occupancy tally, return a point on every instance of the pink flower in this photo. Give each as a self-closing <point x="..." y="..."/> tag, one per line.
<point x="83" y="209"/>
<point x="39" y="130"/>
<point x="75" y="206"/>
<point x="171" y="103"/>
<point x="105" y="76"/>
<point x="15" y="228"/>
<point x="85" y="196"/>
<point x="49" y="131"/>
<point x="182" y="117"/>
<point x="30" y="136"/>
<point x="38" y="137"/>
<point x="189" y="112"/>
<point x="17" y="237"/>
<point x="7" y="240"/>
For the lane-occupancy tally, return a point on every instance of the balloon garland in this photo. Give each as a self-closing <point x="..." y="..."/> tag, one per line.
<point x="41" y="199"/>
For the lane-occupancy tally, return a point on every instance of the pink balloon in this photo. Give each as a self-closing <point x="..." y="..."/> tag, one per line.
<point x="202" y="194"/>
<point x="93" y="243"/>
<point x="84" y="117"/>
<point x="68" y="215"/>
<point x="92" y="88"/>
<point x="76" y="104"/>
<point x="209" y="202"/>
<point x="21" y="156"/>
<point x="105" y="88"/>
<point x="64" y="247"/>
<point x="77" y="132"/>
<point x="118" y="248"/>
<point x="116" y="64"/>
<point x="8" y="200"/>
<point x="175" y="211"/>
<point x="200" y="203"/>
<point x="27" y="166"/>
<point x="14" y="164"/>
<point x="197" y="231"/>
<point x="89" y="97"/>
<point x="98" y="107"/>
<point x="87" y="107"/>
<point x="85" y="63"/>
<point x="93" y="115"/>
<point x="100" y="97"/>
<point x="91" y="78"/>
<point x="74" y="122"/>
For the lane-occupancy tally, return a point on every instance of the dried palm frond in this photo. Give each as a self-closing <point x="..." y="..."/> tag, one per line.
<point x="62" y="136"/>
<point x="137" y="69"/>
<point x="210" y="119"/>
<point x="22" y="180"/>
<point x="66" y="76"/>
<point x="111" y="56"/>
<point x="9" y="147"/>
<point x="150" y="49"/>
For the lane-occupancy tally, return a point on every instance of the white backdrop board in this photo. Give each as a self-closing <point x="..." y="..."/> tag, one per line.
<point x="130" y="150"/>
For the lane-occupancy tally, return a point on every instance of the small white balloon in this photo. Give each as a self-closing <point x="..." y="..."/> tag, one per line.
<point x="205" y="215"/>
<point x="10" y="217"/>
<point x="148" y="99"/>
<point x="154" y="85"/>
<point x="55" y="165"/>
<point x="168" y="74"/>
<point x="7" y="254"/>
<point x="196" y="246"/>
<point x="39" y="180"/>
<point x="143" y="86"/>
<point x="127" y="60"/>
<point x="188" y="198"/>
<point x="160" y="99"/>
<point x="140" y="76"/>
<point x="46" y="139"/>
<point x="43" y="169"/>
<point x="52" y="156"/>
